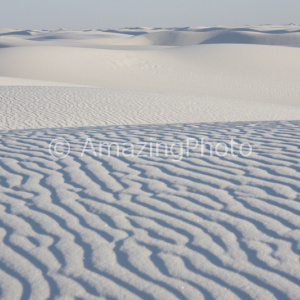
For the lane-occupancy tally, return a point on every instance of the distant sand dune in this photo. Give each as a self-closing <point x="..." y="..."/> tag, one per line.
<point x="288" y="35"/>
<point x="221" y="36"/>
<point x="197" y="61"/>
<point x="251" y="72"/>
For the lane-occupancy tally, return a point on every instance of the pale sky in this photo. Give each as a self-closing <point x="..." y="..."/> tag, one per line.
<point x="88" y="14"/>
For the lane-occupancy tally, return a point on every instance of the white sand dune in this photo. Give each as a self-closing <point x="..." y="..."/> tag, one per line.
<point x="288" y="35"/>
<point x="219" y="36"/>
<point x="226" y="68"/>
<point x="251" y="72"/>
<point x="152" y="226"/>
<point x="13" y="81"/>
<point x="25" y="107"/>
<point x="132" y="227"/>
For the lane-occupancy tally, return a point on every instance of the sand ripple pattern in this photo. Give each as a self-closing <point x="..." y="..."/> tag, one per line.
<point x="150" y="228"/>
<point x="27" y="107"/>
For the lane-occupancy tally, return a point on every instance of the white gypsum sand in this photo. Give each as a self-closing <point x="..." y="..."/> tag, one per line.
<point x="104" y="224"/>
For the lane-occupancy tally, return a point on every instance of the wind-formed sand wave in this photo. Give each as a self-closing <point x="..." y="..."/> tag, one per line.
<point x="148" y="227"/>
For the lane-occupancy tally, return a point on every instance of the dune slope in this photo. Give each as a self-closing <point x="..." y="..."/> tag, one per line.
<point x="148" y="227"/>
<point x="251" y="72"/>
<point x="26" y="107"/>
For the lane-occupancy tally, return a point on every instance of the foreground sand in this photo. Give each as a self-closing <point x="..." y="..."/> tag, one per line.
<point x="150" y="227"/>
<point x="130" y="227"/>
